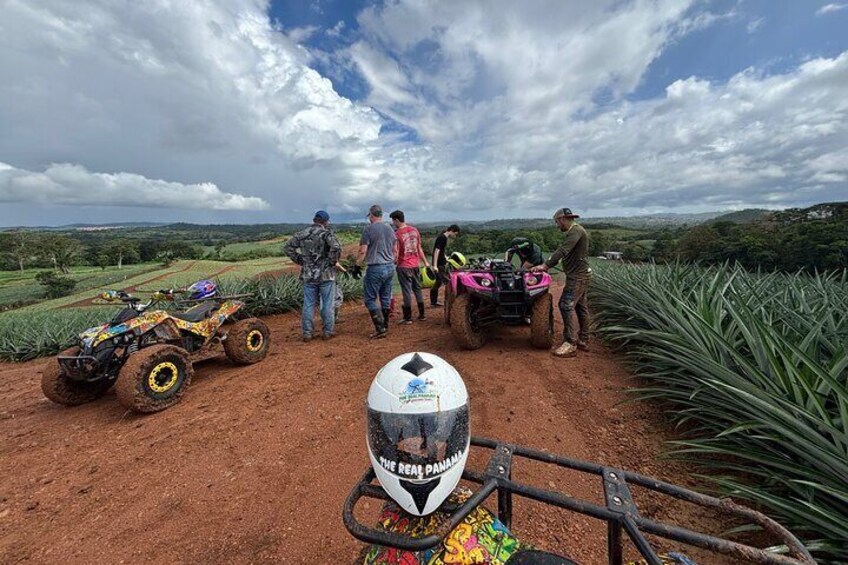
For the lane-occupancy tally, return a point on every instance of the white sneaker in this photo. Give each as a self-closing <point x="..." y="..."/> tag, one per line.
<point x="565" y="350"/>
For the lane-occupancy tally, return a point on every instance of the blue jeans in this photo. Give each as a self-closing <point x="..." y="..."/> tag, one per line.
<point x="377" y="283"/>
<point x="311" y="292"/>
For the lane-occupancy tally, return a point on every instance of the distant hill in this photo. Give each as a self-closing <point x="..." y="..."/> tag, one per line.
<point x="651" y="221"/>
<point x="829" y="211"/>
<point x="87" y="227"/>
<point x="745" y="216"/>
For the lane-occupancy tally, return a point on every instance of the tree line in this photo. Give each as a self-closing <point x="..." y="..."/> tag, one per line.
<point x="811" y="239"/>
<point x="22" y="249"/>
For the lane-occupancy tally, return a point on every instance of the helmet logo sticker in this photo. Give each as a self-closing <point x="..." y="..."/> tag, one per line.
<point x="417" y="390"/>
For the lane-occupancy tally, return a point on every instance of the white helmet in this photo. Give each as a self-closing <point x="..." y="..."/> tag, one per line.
<point x="418" y="430"/>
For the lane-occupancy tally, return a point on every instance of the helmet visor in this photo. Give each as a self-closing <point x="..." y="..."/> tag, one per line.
<point x="418" y="446"/>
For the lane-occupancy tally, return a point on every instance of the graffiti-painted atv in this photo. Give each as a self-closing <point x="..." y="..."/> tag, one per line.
<point x="147" y="354"/>
<point x="494" y="292"/>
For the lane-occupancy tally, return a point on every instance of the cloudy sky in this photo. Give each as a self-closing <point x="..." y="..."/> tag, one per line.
<point x="249" y="111"/>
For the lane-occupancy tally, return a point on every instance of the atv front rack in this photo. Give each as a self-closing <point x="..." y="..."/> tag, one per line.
<point x="620" y="512"/>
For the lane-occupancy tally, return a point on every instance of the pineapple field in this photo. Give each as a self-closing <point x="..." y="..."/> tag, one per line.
<point x="753" y="369"/>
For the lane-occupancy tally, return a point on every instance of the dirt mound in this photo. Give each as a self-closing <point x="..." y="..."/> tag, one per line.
<point x="255" y="463"/>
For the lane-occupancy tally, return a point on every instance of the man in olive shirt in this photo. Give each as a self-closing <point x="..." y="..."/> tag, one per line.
<point x="573" y="253"/>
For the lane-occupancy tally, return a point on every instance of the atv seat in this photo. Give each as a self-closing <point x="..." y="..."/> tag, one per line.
<point x="197" y="313"/>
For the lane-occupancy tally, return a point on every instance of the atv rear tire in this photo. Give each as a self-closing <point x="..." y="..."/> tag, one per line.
<point x="247" y="341"/>
<point x="542" y="322"/>
<point x="449" y="298"/>
<point x="154" y="378"/>
<point x="462" y="328"/>
<point x="63" y="390"/>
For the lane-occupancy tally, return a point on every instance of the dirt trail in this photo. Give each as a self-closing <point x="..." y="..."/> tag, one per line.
<point x="255" y="463"/>
<point x="88" y="301"/>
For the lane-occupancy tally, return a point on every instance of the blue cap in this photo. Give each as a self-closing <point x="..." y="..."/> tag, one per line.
<point x="322" y="215"/>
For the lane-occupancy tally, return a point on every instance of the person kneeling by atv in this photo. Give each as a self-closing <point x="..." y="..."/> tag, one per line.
<point x="529" y="253"/>
<point x="574" y="254"/>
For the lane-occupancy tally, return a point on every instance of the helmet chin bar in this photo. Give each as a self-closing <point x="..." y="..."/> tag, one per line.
<point x="620" y="512"/>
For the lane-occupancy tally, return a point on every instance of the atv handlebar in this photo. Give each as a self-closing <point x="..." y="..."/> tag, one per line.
<point x="620" y="512"/>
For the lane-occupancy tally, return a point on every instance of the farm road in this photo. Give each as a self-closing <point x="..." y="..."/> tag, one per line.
<point x="255" y="463"/>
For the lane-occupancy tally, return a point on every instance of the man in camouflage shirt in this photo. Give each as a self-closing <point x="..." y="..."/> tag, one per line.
<point x="317" y="250"/>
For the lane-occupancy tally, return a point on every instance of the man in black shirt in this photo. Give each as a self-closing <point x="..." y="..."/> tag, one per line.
<point x="440" y="260"/>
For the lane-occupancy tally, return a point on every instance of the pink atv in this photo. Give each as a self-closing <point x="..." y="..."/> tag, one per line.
<point x="493" y="292"/>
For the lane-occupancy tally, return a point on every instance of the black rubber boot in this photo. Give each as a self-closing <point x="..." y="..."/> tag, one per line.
<point x="386" y="318"/>
<point x="407" y="315"/>
<point x="379" y="325"/>
<point x="421" y="315"/>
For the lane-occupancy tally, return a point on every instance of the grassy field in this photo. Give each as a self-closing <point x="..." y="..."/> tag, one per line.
<point x="18" y="287"/>
<point x="267" y="247"/>
<point x="141" y="279"/>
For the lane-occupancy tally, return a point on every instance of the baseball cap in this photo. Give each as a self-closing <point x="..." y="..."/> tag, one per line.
<point x="322" y="215"/>
<point x="375" y="211"/>
<point x="565" y="212"/>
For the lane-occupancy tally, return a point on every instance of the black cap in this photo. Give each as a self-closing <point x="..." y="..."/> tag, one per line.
<point x="565" y="213"/>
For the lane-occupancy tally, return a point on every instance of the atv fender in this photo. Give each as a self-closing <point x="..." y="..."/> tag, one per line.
<point x="167" y="331"/>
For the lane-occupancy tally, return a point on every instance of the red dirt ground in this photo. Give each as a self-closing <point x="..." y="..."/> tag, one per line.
<point x="254" y="464"/>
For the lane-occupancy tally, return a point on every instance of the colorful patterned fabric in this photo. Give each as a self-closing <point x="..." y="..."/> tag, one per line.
<point x="480" y="539"/>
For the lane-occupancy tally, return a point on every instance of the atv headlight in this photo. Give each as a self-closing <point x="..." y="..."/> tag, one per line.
<point x="532" y="280"/>
<point x="486" y="282"/>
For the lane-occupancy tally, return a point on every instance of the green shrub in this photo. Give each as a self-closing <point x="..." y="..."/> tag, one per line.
<point x="56" y="286"/>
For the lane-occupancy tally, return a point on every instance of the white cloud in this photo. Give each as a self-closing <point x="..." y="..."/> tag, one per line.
<point x="830" y="8"/>
<point x="517" y="109"/>
<point x="301" y="34"/>
<point x="754" y="25"/>
<point x="67" y="184"/>
<point x="180" y="91"/>
<point x="337" y="29"/>
<point x="504" y="99"/>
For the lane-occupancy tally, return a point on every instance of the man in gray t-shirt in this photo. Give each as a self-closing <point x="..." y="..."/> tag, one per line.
<point x="377" y="247"/>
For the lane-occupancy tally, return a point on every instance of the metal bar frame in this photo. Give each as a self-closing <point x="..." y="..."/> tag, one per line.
<point x="620" y="512"/>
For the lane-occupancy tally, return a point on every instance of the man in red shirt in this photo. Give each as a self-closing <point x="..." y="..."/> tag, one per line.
<point x="409" y="254"/>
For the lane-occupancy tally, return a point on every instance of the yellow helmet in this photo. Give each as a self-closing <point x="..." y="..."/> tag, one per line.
<point x="457" y="260"/>
<point x="428" y="277"/>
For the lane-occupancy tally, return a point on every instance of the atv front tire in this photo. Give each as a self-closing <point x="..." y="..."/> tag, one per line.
<point x="542" y="322"/>
<point x="154" y="378"/>
<point x="63" y="390"/>
<point x="247" y="341"/>
<point x="462" y="327"/>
